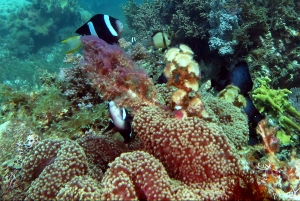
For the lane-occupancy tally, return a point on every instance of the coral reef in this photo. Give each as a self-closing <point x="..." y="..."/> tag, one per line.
<point x="13" y="135"/>
<point x="233" y="122"/>
<point x="100" y="150"/>
<point x="58" y="169"/>
<point x="222" y="24"/>
<point x="265" y="34"/>
<point x="36" y="24"/>
<point x="192" y="150"/>
<point x="137" y="176"/>
<point x="50" y="111"/>
<point x="188" y="142"/>
<point x="54" y="163"/>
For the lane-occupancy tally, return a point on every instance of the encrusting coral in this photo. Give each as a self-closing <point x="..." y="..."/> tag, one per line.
<point x="192" y="150"/>
<point x="52" y="164"/>
<point x="138" y="176"/>
<point x="233" y="122"/>
<point x="100" y="150"/>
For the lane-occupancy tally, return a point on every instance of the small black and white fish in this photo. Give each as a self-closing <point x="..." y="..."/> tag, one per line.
<point x="103" y="26"/>
<point x="120" y="120"/>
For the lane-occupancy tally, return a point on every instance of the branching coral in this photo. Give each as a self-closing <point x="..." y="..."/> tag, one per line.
<point x="41" y="20"/>
<point x="140" y="17"/>
<point x="222" y="25"/>
<point x="186" y="18"/>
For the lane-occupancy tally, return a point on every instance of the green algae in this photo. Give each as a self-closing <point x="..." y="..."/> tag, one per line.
<point x="275" y="103"/>
<point x="283" y="137"/>
<point x="50" y="112"/>
<point x="82" y="120"/>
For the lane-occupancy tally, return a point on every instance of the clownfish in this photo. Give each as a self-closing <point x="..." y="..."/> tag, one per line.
<point x="103" y="26"/>
<point x="120" y="120"/>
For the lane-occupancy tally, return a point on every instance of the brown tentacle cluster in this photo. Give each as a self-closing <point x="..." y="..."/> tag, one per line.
<point x="183" y="73"/>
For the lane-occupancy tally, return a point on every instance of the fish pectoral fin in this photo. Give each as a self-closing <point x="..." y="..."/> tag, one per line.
<point x="73" y="42"/>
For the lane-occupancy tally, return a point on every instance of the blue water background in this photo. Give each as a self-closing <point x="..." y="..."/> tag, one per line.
<point x="21" y="61"/>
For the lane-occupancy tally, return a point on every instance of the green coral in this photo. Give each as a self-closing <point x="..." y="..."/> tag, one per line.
<point x="275" y="102"/>
<point x="288" y="123"/>
<point x="264" y="94"/>
<point x="283" y="137"/>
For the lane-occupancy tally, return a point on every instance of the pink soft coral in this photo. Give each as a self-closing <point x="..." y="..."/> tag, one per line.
<point x="114" y="74"/>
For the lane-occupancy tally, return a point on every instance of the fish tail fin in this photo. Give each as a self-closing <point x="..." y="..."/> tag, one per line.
<point x="73" y="42"/>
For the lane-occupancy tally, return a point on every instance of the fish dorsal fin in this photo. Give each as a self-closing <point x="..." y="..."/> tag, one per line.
<point x="156" y="32"/>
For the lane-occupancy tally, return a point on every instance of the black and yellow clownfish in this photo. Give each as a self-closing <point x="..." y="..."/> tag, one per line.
<point x="103" y="26"/>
